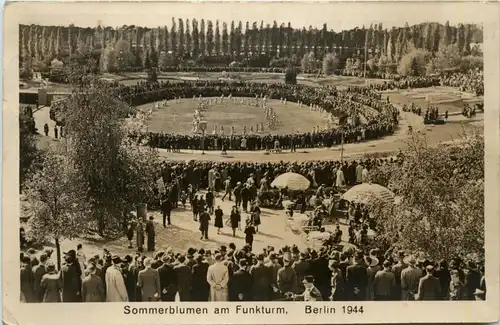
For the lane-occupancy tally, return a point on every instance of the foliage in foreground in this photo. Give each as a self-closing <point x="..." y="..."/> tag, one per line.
<point x="441" y="211"/>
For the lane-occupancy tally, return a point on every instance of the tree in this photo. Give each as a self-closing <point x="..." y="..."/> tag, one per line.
<point x="29" y="155"/>
<point x="111" y="170"/>
<point x="202" y="37"/>
<point x="330" y="63"/>
<point x="188" y="38"/>
<point x="210" y="37"/>
<point x="217" y="38"/>
<point x="108" y="62"/>
<point x="52" y="204"/>
<point x="308" y="62"/>
<point x="173" y="37"/>
<point x="124" y="57"/>
<point x="27" y="67"/>
<point x="414" y="63"/>
<point x="196" y="38"/>
<point x="447" y="58"/>
<point x="180" y="33"/>
<point x="442" y="197"/>
<point x="225" y="39"/>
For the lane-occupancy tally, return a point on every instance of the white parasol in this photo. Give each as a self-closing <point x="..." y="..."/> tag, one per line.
<point x="293" y="181"/>
<point x="367" y="193"/>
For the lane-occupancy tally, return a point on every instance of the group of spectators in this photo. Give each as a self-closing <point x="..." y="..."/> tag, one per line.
<point x="471" y="81"/>
<point x="381" y="117"/>
<point x="241" y="274"/>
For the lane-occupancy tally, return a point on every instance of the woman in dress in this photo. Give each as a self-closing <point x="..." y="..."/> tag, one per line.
<point x="249" y="232"/>
<point x="235" y="219"/>
<point x="218" y="223"/>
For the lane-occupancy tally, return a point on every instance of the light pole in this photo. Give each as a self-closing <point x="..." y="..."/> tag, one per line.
<point x="203" y="127"/>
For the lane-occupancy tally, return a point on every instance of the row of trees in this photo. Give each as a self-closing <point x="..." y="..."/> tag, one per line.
<point x="441" y="208"/>
<point x="225" y="42"/>
<point x="94" y="177"/>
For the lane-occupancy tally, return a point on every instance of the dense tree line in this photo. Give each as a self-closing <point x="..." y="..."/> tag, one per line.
<point x="219" y="43"/>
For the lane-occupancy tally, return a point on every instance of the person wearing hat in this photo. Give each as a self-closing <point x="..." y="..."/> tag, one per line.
<point x="217" y="278"/>
<point x="249" y="232"/>
<point x="286" y="276"/>
<point x="167" y="279"/>
<point x="237" y="194"/>
<point x="148" y="280"/>
<point x="240" y="283"/>
<point x="235" y="219"/>
<point x="372" y="268"/>
<point x="384" y="283"/>
<point x="116" y="291"/>
<point x="139" y="237"/>
<point x="311" y="293"/>
<point x="204" y="223"/>
<point x="218" y="222"/>
<point x="27" y="289"/>
<point x="150" y="231"/>
<point x="92" y="286"/>
<point x="38" y="272"/>
<point x="337" y="281"/>
<point x="71" y="277"/>
<point x="227" y="188"/>
<point x="261" y="280"/>
<point x="130" y="278"/>
<point x="472" y="279"/>
<point x="184" y="279"/>
<point x="429" y="286"/>
<point x="201" y="288"/>
<point x="397" y="269"/>
<point x="410" y="278"/>
<point x="51" y="285"/>
<point x="356" y="279"/>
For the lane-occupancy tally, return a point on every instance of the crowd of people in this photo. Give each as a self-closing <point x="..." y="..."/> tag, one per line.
<point x="382" y="120"/>
<point x="242" y="274"/>
<point x="471" y="81"/>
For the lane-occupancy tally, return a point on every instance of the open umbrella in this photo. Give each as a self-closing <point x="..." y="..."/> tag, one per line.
<point x="293" y="181"/>
<point x="367" y="193"/>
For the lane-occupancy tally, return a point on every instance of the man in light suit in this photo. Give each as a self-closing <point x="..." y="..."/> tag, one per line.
<point x="217" y="278"/>
<point x="429" y="286"/>
<point x="148" y="280"/>
<point x="115" y="285"/>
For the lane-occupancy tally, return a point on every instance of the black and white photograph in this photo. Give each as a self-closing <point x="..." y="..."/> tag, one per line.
<point x="225" y="152"/>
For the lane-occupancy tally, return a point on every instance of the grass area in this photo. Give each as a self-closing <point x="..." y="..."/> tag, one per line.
<point x="178" y="117"/>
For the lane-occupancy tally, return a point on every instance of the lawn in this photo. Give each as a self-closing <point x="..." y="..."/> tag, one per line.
<point x="178" y="117"/>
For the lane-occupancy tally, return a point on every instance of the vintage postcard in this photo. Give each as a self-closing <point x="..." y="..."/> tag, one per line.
<point x="250" y="163"/>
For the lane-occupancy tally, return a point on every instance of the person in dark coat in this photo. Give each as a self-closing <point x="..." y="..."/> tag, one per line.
<point x="27" y="280"/>
<point x="472" y="280"/>
<point x="184" y="279"/>
<point x="200" y="287"/>
<point x="429" y="286"/>
<point x="130" y="234"/>
<point x="130" y="279"/>
<point x="46" y="129"/>
<point x="56" y="133"/>
<point x="255" y="213"/>
<point x="356" y="279"/>
<point x="249" y="232"/>
<point x="261" y="280"/>
<point x="38" y="272"/>
<point x="139" y="237"/>
<point x="168" y="280"/>
<point x="71" y="278"/>
<point x="245" y="197"/>
<point x="209" y="198"/>
<point x="150" y="230"/>
<point x="235" y="219"/>
<point x="194" y="207"/>
<point x="166" y="210"/>
<point x="204" y="223"/>
<point x="240" y="284"/>
<point x="218" y="223"/>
